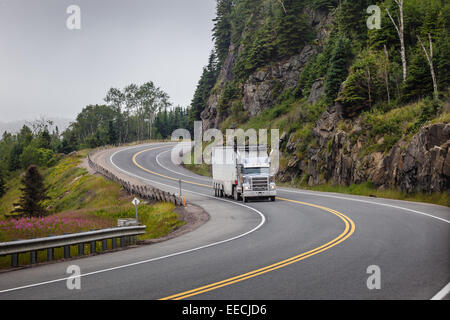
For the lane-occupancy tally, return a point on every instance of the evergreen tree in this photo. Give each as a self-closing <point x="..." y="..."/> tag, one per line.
<point x="292" y="30"/>
<point x="14" y="159"/>
<point x="112" y="133"/>
<point x="204" y="87"/>
<point x="222" y="29"/>
<point x="33" y="194"/>
<point x="351" y="18"/>
<point x="418" y="82"/>
<point x="45" y="140"/>
<point x="443" y="48"/>
<point x="2" y="185"/>
<point x="25" y="136"/>
<point x="337" y="72"/>
<point x="229" y="93"/>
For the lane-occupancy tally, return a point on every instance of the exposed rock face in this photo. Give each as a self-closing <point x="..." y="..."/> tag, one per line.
<point x="320" y="20"/>
<point x="210" y="115"/>
<point x="420" y="165"/>
<point x="262" y="87"/>
<point x="317" y="91"/>
<point x="425" y="166"/>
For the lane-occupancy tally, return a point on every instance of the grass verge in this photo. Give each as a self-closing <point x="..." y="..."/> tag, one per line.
<point x="202" y="169"/>
<point x="366" y="189"/>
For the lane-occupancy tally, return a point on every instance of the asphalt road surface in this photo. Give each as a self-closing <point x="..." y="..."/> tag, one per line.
<point x="306" y="245"/>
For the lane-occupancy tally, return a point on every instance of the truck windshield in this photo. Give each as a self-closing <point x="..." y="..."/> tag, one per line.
<point x="256" y="170"/>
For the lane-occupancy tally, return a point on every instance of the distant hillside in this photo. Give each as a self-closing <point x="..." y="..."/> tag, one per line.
<point x="15" y="126"/>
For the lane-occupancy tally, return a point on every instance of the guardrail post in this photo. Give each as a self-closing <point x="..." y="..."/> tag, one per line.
<point x="104" y="245"/>
<point x="15" y="260"/>
<point x="81" y="249"/>
<point x="93" y="248"/>
<point x="33" y="257"/>
<point x="114" y="243"/>
<point x="50" y="254"/>
<point x="123" y="241"/>
<point x="66" y="252"/>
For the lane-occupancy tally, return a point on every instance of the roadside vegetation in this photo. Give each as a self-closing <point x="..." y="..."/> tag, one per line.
<point x="366" y="189"/>
<point x="78" y="201"/>
<point x="202" y="169"/>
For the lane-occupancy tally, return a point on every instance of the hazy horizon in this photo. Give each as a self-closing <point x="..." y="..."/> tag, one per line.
<point x="51" y="71"/>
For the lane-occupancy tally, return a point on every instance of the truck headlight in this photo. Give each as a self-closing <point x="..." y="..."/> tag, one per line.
<point x="273" y="186"/>
<point x="246" y="187"/>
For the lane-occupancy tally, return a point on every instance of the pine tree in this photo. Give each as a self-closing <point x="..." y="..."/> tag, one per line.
<point x="204" y="87"/>
<point x="112" y="133"/>
<point x="222" y="29"/>
<point x="14" y="158"/>
<point x="45" y="140"/>
<point x="443" y="48"/>
<point x="418" y="82"/>
<point x="351" y="18"/>
<point x="337" y="72"/>
<point x="33" y="194"/>
<point x="2" y="186"/>
<point x="292" y="30"/>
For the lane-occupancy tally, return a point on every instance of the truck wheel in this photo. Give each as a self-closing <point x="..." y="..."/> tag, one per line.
<point x="235" y="194"/>
<point x="272" y="199"/>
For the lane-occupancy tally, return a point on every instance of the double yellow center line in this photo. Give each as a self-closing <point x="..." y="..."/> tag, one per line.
<point x="348" y="231"/>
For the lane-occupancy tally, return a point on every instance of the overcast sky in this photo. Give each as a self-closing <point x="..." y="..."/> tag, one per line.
<point x="47" y="69"/>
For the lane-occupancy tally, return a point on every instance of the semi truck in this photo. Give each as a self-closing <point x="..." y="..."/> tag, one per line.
<point x="242" y="173"/>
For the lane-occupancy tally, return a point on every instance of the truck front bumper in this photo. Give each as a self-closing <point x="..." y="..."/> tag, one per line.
<point x="259" y="194"/>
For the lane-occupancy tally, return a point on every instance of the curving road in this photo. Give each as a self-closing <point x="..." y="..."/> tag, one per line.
<point x="306" y="245"/>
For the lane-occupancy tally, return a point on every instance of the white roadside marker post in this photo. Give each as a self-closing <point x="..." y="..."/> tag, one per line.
<point x="136" y="203"/>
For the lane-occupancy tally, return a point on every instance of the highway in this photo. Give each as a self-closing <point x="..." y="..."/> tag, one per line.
<point x="306" y="245"/>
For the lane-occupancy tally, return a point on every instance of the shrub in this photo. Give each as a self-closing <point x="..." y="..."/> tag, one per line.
<point x="37" y="156"/>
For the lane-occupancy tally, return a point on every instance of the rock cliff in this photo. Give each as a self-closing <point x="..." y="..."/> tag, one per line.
<point x="420" y="163"/>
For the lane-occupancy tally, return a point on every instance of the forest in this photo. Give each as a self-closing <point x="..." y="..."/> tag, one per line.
<point x="385" y="67"/>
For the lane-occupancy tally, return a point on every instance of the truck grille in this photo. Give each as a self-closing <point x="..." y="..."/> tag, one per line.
<point x="259" y="184"/>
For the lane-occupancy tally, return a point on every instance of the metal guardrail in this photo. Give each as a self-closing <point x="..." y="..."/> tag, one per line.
<point x="126" y="235"/>
<point x="144" y="191"/>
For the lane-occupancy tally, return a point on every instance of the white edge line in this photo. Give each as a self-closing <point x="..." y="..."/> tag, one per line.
<point x="365" y="201"/>
<point x="263" y="220"/>
<point x="443" y="293"/>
